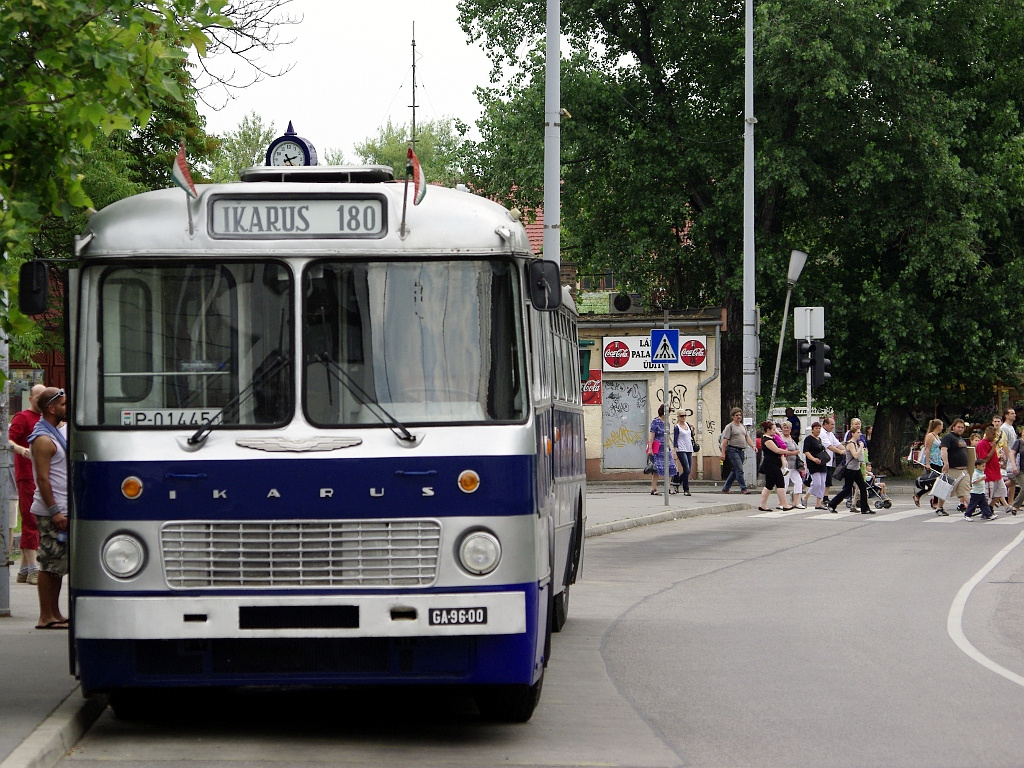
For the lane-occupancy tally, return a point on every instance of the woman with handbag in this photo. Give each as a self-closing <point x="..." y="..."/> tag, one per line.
<point x="683" y="446"/>
<point x="795" y="464"/>
<point x="852" y="474"/>
<point x="817" y="465"/>
<point x="931" y="457"/>
<point x="655" y="450"/>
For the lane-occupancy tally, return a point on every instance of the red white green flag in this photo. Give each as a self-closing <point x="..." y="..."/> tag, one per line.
<point x="180" y="172"/>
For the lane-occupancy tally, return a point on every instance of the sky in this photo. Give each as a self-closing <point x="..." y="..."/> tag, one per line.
<point x="353" y="70"/>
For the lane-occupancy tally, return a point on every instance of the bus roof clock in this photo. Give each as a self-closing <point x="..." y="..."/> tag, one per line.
<point x="291" y="149"/>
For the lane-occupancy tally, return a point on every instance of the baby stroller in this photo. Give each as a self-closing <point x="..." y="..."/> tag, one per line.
<point x="876" y="497"/>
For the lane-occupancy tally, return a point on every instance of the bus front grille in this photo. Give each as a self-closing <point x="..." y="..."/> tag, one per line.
<point x="300" y="553"/>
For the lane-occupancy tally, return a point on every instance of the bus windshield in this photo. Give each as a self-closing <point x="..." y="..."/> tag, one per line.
<point x="170" y="345"/>
<point x="430" y="341"/>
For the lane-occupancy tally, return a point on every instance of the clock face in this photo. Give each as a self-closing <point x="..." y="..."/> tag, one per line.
<point x="288" y="153"/>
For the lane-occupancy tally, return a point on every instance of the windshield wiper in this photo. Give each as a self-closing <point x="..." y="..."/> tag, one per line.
<point x="397" y="428"/>
<point x="279" y="361"/>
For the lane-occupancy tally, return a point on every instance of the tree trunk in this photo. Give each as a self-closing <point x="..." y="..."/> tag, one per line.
<point x="887" y="448"/>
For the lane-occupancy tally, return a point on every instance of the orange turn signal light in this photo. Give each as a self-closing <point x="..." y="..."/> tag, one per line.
<point x="131" y="487"/>
<point x="469" y="481"/>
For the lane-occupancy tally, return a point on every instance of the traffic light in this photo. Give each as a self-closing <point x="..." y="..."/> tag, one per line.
<point x="819" y="372"/>
<point x="805" y="358"/>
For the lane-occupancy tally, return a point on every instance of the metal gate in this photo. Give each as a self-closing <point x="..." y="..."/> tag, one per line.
<point x="624" y="423"/>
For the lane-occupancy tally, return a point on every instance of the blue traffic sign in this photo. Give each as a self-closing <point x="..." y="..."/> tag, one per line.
<point x="664" y="346"/>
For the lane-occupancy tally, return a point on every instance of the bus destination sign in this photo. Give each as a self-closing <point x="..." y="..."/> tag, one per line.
<point x="243" y="218"/>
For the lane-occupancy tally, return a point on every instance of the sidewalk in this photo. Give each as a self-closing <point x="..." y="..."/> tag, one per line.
<point x="42" y="713"/>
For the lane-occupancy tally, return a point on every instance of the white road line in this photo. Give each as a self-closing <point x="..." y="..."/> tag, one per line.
<point x="892" y="517"/>
<point x="954" y="623"/>
<point x="780" y="513"/>
<point x="833" y="515"/>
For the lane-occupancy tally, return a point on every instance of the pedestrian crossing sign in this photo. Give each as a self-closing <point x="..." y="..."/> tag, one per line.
<point x="664" y="346"/>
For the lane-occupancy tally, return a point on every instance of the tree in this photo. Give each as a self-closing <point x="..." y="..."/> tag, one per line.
<point x="241" y="148"/>
<point x="889" y="148"/>
<point x="440" y="148"/>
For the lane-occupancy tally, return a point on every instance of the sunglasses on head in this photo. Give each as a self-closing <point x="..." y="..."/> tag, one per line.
<point x="60" y="394"/>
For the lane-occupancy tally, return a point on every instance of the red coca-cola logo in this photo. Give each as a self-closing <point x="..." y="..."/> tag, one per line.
<point x="616" y="354"/>
<point x="592" y="389"/>
<point x="693" y="353"/>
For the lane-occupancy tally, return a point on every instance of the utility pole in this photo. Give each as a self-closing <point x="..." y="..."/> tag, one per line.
<point x="552" y="135"/>
<point x="750" y="341"/>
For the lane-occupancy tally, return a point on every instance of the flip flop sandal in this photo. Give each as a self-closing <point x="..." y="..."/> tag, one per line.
<point x="53" y="625"/>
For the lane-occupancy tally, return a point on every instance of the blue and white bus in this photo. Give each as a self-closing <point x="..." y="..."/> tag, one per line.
<point x="313" y="447"/>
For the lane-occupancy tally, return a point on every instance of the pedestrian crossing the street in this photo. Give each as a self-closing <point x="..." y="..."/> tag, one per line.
<point x="889" y="516"/>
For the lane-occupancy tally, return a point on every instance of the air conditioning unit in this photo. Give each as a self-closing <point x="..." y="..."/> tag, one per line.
<point x="626" y="304"/>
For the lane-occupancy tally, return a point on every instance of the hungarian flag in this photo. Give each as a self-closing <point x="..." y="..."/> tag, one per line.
<point x="180" y="173"/>
<point x="413" y="168"/>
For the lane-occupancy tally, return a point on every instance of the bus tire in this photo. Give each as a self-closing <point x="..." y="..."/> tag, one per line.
<point x="560" y="609"/>
<point x="509" y="703"/>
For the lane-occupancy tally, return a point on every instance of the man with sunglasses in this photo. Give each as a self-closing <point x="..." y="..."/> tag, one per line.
<point x="48" y="447"/>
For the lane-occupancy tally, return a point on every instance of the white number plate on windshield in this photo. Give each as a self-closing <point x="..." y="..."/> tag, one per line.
<point x="169" y="417"/>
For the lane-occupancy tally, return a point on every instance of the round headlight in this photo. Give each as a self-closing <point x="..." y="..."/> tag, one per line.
<point x="123" y="556"/>
<point x="480" y="552"/>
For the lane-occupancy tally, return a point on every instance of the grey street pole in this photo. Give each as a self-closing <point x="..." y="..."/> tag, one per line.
<point x="552" y="136"/>
<point x="665" y="446"/>
<point x="750" y="351"/>
<point x="797" y="259"/>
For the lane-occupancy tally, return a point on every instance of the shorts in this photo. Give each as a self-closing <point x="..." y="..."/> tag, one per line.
<point x="961" y="480"/>
<point x="29" y="529"/>
<point x="773" y="478"/>
<point x="52" y="556"/>
<point x="996" y="489"/>
<point x="828" y="476"/>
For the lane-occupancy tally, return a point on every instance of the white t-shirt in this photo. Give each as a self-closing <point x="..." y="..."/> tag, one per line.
<point x="828" y="439"/>
<point x="1011" y="436"/>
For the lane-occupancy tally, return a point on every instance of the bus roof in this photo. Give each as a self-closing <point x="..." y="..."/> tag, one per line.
<point x="447" y="221"/>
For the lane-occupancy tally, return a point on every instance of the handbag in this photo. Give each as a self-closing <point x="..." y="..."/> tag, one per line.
<point x="651" y="467"/>
<point x="943" y="487"/>
<point x="696" y="448"/>
<point x="839" y="472"/>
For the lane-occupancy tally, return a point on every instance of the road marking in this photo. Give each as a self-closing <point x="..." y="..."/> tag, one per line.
<point x="780" y="513"/>
<point x="832" y="515"/>
<point x="892" y="517"/>
<point x="1008" y="520"/>
<point x="954" y="623"/>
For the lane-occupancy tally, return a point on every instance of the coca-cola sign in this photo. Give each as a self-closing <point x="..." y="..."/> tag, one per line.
<point x="622" y="354"/>
<point x="617" y="354"/>
<point x="592" y="389"/>
<point x="693" y="353"/>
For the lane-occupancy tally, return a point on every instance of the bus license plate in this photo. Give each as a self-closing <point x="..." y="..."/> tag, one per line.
<point x="457" y="616"/>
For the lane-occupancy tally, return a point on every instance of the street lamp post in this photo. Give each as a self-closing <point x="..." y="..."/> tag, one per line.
<point x="750" y="341"/>
<point x="797" y="259"/>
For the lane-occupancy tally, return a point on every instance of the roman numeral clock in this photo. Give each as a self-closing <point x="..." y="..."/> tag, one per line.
<point x="291" y="149"/>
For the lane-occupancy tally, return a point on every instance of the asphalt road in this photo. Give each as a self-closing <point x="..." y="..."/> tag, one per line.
<point x="721" y="640"/>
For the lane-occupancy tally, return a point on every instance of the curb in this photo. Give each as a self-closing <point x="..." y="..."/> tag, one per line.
<point x="54" y="738"/>
<point x="600" y="529"/>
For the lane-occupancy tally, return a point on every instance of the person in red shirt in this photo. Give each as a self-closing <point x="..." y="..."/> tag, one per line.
<point x="22" y="424"/>
<point x="986" y="450"/>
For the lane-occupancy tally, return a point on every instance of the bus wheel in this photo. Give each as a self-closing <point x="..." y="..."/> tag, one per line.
<point x="560" y="610"/>
<point x="509" y="703"/>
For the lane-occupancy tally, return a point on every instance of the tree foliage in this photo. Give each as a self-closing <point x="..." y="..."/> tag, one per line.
<point x="888" y="146"/>
<point x="440" y="148"/>
<point x="241" y="148"/>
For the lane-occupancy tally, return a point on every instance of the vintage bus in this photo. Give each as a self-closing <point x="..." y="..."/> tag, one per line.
<point x="313" y="443"/>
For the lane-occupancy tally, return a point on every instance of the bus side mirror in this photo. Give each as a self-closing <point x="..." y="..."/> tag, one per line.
<point x="33" y="282"/>
<point x="544" y="284"/>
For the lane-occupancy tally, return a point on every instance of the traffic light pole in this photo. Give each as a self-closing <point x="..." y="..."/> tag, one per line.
<point x="809" y="419"/>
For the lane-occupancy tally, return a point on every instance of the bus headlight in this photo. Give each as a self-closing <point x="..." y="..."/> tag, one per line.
<point x="479" y="552"/>
<point x="123" y="556"/>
